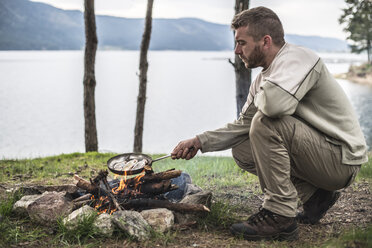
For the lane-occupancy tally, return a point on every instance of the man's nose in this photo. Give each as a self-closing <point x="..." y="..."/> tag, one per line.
<point x="237" y="49"/>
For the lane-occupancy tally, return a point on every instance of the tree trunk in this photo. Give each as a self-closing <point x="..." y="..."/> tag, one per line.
<point x="91" y="143"/>
<point x="369" y="51"/>
<point x="143" y="66"/>
<point x="242" y="74"/>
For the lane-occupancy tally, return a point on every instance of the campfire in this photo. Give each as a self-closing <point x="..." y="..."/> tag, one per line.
<point x="138" y="199"/>
<point x="144" y="191"/>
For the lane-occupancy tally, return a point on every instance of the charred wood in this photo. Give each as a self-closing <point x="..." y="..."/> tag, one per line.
<point x="156" y="188"/>
<point x="154" y="177"/>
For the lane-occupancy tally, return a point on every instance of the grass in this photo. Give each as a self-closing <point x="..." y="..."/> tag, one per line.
<point x="222" y="215"/>
<point x="79" y="234"/>
<point x="366" y="170"/>
<point x="6" y="205"/>
<point x="49" y="169"/>
<point x="209" y="172"/>
<point x="215" y="173"/>
<point x="205" y="171"/>
<point x="352" y="238"/>
<point x="14" y="231"/>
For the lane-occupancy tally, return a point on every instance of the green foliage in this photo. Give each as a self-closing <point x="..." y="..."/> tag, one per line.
<point x="15" y="232"/>
<point x="209" y="172"/>
<point x="222" y="215"/>
<point x="165" y="239"/>
<point x="51" y="169"/>
<point x="356" y="237"/>
<point x="366" y="170"/>
<point x="80" y="233"/>
<point x="360" y="70"/>
<point x="358" y="19"/>
<point x="6" y="205"/>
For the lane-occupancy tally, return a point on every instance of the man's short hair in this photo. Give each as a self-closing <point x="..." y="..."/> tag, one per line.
<point x="261" y="21"/>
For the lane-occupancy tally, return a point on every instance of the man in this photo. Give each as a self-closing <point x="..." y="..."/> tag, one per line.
<point x="297" y="131"/>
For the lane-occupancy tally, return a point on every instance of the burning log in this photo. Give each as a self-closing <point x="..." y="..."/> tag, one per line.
<point x="145" y="190"/>
<point x="140" y="192"/>
<point x="156" y="188"/>
<point x="154" y="177"/>
<point x="152" y="203"/>
<point x="94" y="188"/>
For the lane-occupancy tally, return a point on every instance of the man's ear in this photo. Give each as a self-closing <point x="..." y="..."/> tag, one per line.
<point x="267" y="41"/>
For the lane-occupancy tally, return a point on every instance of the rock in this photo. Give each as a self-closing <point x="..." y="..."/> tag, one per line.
<point x="104" y="224"/>
<point x="20" y="207"/>
<point x="160" y="219"/>
<point x="72" y="220"/>
<point x="132" y="223"/>
<point x="27" y="190"/>
<point x="192" y="189"/>
<point x="70" y="189"/>
<point x="204" y="197"/>
<point x="49" y="207"/>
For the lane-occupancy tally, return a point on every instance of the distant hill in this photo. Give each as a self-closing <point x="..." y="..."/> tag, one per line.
<point x="26" y="25"/>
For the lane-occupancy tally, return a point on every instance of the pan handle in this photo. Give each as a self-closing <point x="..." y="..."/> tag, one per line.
<point x="166" y="156"/>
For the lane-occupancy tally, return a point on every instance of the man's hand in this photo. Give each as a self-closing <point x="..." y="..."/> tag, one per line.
<point x="186" y="149"/>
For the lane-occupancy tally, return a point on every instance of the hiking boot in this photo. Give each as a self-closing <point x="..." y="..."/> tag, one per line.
<point x="266" y="225"/>
<point x="317" y="206"/>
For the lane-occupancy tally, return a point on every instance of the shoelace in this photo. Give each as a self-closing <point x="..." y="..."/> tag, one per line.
<point x="260" y="216"/>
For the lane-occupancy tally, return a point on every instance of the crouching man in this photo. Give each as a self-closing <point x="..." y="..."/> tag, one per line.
<point x="297" y="131"/>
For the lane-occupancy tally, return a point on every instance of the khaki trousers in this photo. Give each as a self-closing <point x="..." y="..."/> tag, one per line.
<point x="291" y="160"/>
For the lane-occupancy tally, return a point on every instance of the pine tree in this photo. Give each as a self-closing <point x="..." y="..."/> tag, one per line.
<point x="358" y="19"/>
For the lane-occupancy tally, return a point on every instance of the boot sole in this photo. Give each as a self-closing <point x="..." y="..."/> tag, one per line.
<point x="283" y="236"/>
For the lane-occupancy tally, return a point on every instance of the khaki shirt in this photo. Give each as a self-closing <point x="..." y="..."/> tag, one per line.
<point x="296" y="83"/>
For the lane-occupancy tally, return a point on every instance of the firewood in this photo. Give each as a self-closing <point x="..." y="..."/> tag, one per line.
<point x="83" y="198"/>
<point x="156" y="188"/>
<point x="145" y="203"/>
<point x="94" y="189"/>
<point x="154" y="177"/>
<point x="79" y="204"/>
<point x="86" y="185"/>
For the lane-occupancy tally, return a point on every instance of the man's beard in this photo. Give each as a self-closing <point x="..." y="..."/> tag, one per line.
<point x="255" y="59"/>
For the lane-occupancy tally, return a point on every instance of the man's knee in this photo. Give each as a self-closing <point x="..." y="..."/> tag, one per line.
<point x="262" y="126"/>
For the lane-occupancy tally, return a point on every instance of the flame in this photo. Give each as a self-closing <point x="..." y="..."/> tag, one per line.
<point x="121" y="189"/>
<point x="122" y="185"/>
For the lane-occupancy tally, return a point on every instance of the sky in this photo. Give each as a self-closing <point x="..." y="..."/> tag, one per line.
<point x="303" y="17"/>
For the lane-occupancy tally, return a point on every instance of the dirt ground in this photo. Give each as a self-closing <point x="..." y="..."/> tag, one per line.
<point x="353" y="209"/>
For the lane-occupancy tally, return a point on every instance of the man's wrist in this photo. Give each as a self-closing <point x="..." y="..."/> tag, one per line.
<point x="197" y="143"/>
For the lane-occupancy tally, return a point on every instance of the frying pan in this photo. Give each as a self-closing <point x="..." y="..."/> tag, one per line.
<point x="121" y="164"/>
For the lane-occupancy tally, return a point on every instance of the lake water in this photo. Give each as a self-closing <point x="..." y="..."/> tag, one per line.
<point x="41" y="99"/>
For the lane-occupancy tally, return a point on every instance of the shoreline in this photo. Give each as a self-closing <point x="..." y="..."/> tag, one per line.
<point x="355" y="79"/>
